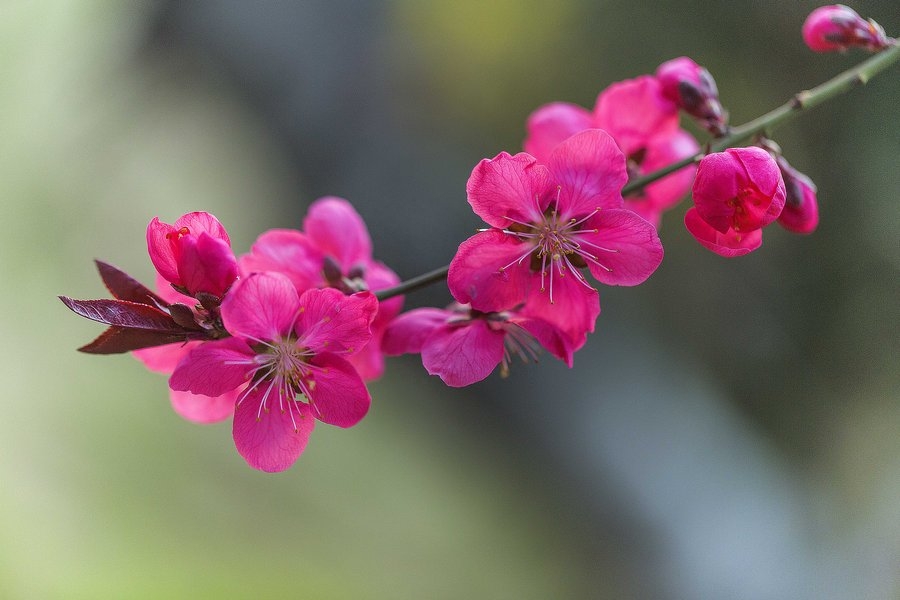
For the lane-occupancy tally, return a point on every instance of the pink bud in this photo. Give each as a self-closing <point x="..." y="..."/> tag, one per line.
<point x="729" y="244"/>
<point x="838" y="27"/>
<point x="740" y="189"/>
<point x="693" y="89"/>
<point x="801" y="210"/>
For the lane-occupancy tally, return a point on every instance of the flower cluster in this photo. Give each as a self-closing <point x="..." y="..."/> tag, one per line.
<point x="288" y="333"/>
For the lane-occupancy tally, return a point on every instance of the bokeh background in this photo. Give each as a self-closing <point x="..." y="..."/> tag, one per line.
<point x="730" y="431"/>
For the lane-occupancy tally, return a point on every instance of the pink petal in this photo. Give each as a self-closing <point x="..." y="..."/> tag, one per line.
<point x="206" y="264"/>
<point x="461" y="355"/>
<point x="271" y="438"/>
<point x="332" y="322"/>
<point x="263" y="306"/>
<point x="626" y="246"/>
<point x="339" y="396"/>
<point x="574" y="310"/>
<point x="729" y="245"/>
<point x="487" y="273"/>
<point x="213" y="368"/>
<point x="764" y="174"/>
<point x="203" y="222"/>
<point x="164" y="359"/>
<point x="203" y="409"/>
<point x="369" y="361"/>
<point x="715" y="184"/>
<point x="338" y="231"/>
<point x="162" y="250"/>
<point x="508" y="188"/>
<point x="288" y="252"/>
<point x="408" y="332"/>
<point x="553" y="339"/>
<point x="633" y="111"/>
<point x="551" y="124"/>
<point x="661" y="152"/>
<point x="590" y="169"/>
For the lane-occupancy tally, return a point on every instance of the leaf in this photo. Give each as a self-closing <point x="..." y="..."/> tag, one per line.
<point x="124" y="287"/>
<point x="117" y="340"/>
<point x="124" y="314"/>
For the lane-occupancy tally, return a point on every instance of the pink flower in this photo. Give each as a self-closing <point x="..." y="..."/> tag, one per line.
<point x="643" y="123"/>
<point x="740" y="189"/>
<point x="463" y="346"/>
<point x="692" y="88"/>
<point x="548" y="221"/>
<point x="164" y="359"/>
<point x="801" y="209"/>
<point x="193" y="254"/>
<point x="288" y="350"/>
<point x="728" y="244"/>
<point x="334" y="250"/>
<point x="838" y="27"/>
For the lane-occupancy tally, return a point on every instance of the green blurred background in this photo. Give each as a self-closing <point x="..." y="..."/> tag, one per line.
<point x="730" y="431"/>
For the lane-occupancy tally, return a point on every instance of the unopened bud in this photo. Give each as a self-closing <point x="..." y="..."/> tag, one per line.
<point x="693" y="89"/>
<point x="801" y="209"/>
<point x="838" y="27"/>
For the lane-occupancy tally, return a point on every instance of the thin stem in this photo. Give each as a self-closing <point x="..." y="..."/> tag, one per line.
<point x="805" y="100"/>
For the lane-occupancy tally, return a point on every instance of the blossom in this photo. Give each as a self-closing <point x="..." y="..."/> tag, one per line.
<point x="463" y="346"/>
<point x="801" y="209"/>
<point x="194" y="254"/>
<point x="838" y="27"/>
<point x="288" y="349"/>
<point x="548" y="221"/>
<point x="739" y="189"/>
<point x="691" y="87"/>
<point x="643" y="123"/>
<point x="164" y="359"/>
<point x="333" y="250"/>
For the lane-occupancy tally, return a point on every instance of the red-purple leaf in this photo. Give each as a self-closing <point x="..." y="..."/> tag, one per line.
<point x="124" y="314"/>
<point x="184" y="316"/>
<point x="117" y="340"/>
<point x="122" y="286"/>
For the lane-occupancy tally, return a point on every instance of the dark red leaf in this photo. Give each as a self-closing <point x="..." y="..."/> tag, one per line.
<point x="122" y="286"/>
<point x="123" y="314"/>
<point x="117" y="340"/>
<point x="184" y="316"/>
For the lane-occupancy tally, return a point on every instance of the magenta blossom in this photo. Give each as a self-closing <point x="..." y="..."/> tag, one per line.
<point x="333" y="250"/>
<point x="838" y="27"/>
<point x="801" y="209"/>
<point x="164" y="359"/>
<point x="729" y="244"/>
<point x="643" y="123"/>
<point x="463" y="346"/>
<point x="194" y="254"/>
<point x="692" y="88"/>
<point x="740" y="189"/>
<point x="548" y="221"/>
<point x="288" y="349"/>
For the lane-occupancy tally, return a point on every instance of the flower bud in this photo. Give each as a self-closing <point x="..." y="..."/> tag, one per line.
<point x="740" y="189"/>
<point x="838" y="27"/>
<point x="729" y="244"/>
<point x="801" y="209"/>
<point x="692" y="89"/>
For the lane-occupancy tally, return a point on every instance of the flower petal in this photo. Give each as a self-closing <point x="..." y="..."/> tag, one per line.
<point x="590" y="170"/>
<point x="271" y="438"/>
<point x="203" y="222"/>
<point x="463" y="354"/>
<point x="574" y="310"/>
<point x="207" y="264"/>
<point x="164" y="359"/>
<point x="288" y="252"/>
<point x="408" y="332"/>
<point x="550" y="337"/>
<point x="213" y="368"/>
<point x="626" y="246"/>
<point x="203" y="409"/>
<point x="338" y="231"/>
<point x="551" y="124"/>
<point x="490" y="271"/>
<point x="263" y="306"/>
<point x="509" y="188"/>
<point x="161" y="249"/>
<point x="633" y="111"/>
<point x="729" y="245"/>
<point x="330" y="321"/>
<point x="339" y="396"/>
